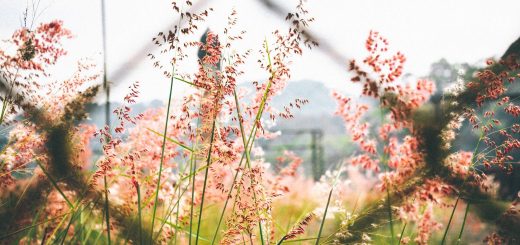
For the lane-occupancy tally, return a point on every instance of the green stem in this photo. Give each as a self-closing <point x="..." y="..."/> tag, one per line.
<point x="231" y="190"/>
<point x="4" y="107"/>
<point x="208" y="162"/>
<point x="177" y="215"/>
<point x="449" y="221"/>
<point x="170" y="209"/>
<point x="162" y="155"/>
<point x="107" y="214"/>
<point x="193" y="169"/>
<point x="402" y="233"/>
<point x="2" y="237"/>
<point x="139" y="213"/>
<point x="324" y="217"/>
<point x="390" y="214"/>
<point x="463" y="223"/>
<point x="55" y="184"/>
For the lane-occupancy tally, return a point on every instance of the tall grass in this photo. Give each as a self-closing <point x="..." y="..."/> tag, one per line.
<point x="191" y="213"/>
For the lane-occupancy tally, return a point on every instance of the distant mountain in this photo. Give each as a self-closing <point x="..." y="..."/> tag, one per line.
<point x="97" y="111"/>
<point x="320" y="103"/>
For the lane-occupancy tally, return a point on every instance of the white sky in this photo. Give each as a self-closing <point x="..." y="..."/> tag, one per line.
<point x="425" y="31"/>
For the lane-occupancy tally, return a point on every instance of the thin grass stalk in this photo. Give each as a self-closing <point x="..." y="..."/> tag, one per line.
<point x="64" y="232"/>
<point x="324" y="217"/>
<point x="137" y="187"/>
<point x="171" y="140"/>
<point x="208" y="162"/>
<point x="86" y="235"/>
<point x="169" y="212"/>
<point x="246" y="145"/>
<point x="56" y="229"/>
<point x="73" y="217"/>
<point x="32" y="226"/>
<point x="55" y="184"/>
<point x="107" y="110"/>
<point x="180" y="228"/>
<point x="97" y="238"/>
<point x="193" y="166"/>
<point x="179" y="195"/>
<point x="389" y="203"/>
<point x="80" y="232"/>
<point x="32" y="232"/>
<point x="463" y="223"/>
<point x="257" y="120"/>
<point x="74" y="213"/>
<point x="107" y="214"/>
<point x="5" y="103"/>
<point x="229" y="195"/>
<point x="183" y="80"/>
<point x="459" y="195"/>
<point x="402" y="233"/>
<point x="162" y="154"/>
<point x="449" y="221"/>
<point x="24" y="190"/>
<point x="177" y="217"/>
<point x="384" y="160"/>
<point x="4" y="106"/>
<point x="301" y="240"/>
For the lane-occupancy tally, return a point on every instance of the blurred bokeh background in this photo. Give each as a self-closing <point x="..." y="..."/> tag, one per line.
<point x="439" y="38"/>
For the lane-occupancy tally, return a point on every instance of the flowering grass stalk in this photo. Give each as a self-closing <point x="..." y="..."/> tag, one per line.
<point x="247" y="148"/>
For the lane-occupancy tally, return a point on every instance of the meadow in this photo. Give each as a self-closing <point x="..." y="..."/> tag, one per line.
<point x="192" y="171"/>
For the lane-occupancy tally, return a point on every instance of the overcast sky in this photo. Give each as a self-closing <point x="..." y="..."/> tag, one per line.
<point x="425" y="31"/>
